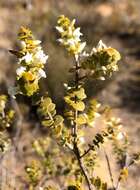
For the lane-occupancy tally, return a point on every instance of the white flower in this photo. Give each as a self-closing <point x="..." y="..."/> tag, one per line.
<point x="77" y="33"/>
<point x="60" y="29"/>
<point x="70" y="36"/>
<point x="82" y="46"/>
<point x="60" y="40"/>
<point x="97" y="115"/>
<point x="102" y="78"/>
<point x="41" y="57"/>
<point x="73" y="22"/>
<point x="70" y="31"/>
<point x="20" y="70"/>
<point x="71" y="42"/>
<point x="101" y="45"/>
<point x="41" y="73"/>
<point x="82" y="140"/>
<point x="27" y="58"/>
<point x="36" y="42"/>
<point x="103" y="68"/>
<point x="23" y="44"/>
<point x="120" y="136"/>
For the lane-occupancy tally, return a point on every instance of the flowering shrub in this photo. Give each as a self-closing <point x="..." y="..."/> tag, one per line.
<point x="64" y="151"/>
<point x="31" y="64"/>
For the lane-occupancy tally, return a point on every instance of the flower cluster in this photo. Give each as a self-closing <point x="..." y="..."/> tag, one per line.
<point x="102" y="61"/>
<point x="31" y="64"/>
<point x="33" y="172"/>
<point x="70" y="36"/>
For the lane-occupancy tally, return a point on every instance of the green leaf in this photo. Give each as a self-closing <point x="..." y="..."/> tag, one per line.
<point x="58" y="120"/>
<point x="79" y="106"/>
<point x="46" y="101"/>
<point x="57" y="130"/>
<point x="51" y="107"/>
<point x="80" y="94"/>
<point x="53" y="113"/>
<point x="47" y="123"/>
<point x="47" y="106"/>
<point x="81" y="120"/>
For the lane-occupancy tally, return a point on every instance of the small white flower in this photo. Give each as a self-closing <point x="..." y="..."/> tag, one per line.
<point x="82" y="46"/>
<point x="102" y="78"/>
<point x="41" y="57"/>
<point x="77" y="33"/>
<point x="82" y="140"/>
<point x="73" y="22"/>
<point x="23" y="44"/>
<point x="41" y="73"/>
<point x="70" y="31"/>
<point x="71" y="42"/>
<point x="60" y="40"/>
<point x="60" y="29"/>
<point x="20" y="70"/>
<point x="85" y="54"/>
<point x="103" y="68"/>
<point x="120" y="136"/>
<point x="101" y="45"/>
<point x="36" y="42"/>
<point x="27" y="58"/>
<point x="97" y="115"/>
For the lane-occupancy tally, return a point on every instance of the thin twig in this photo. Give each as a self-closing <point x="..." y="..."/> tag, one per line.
<point x="81" y="165"/>
<point x="109" y="169"/>
<point x="87" y="151"/>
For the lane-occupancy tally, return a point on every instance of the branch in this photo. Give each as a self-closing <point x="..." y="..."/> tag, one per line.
<point x="109" y="169"/>
<point x="87" y="151"/>
<point x="81" y="165"/>
<point x="74" y="130"/>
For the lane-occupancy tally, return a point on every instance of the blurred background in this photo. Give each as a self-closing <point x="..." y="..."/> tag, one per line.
<point x="116" y="22"/>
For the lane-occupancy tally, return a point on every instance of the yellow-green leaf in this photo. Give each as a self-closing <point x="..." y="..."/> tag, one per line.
<point x="47" y="123"/>
<point x="81" y="119"/>
<point x="58" y="120"/>
<point x="79" y="106"/>
<point x="80" y="94"/>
